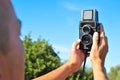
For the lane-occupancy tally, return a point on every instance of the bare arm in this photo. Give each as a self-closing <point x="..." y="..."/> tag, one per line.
<point x="71" y="66"/>
<point x="59" y="74"/>
<point x="98" y="54"/>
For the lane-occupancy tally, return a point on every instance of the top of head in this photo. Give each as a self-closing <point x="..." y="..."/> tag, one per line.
<point x="90" y="15"/>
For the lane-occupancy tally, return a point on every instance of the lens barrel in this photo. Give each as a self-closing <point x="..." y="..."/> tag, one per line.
<point x="86" y="29"/>
<point x="86" y="39"/>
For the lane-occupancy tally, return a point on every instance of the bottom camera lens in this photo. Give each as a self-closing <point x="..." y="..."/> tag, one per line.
<point x="87" y="39"/>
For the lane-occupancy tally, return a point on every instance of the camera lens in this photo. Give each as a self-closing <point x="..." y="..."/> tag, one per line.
<point x="87" y="39"/>
<point x="86" y="28"/>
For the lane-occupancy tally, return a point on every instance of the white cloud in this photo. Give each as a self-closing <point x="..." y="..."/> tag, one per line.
<point x="61" y="48"/>
<point x="70" y="6"/>
<point x="63" y="52"/>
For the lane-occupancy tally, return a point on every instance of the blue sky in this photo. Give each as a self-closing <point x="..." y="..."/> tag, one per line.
<point x="58" y="22"/>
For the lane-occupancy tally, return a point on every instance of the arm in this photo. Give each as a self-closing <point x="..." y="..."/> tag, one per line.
<point x="98" y="54"/>
<point x="71" y="66"/>
<point x="58" y="74"/>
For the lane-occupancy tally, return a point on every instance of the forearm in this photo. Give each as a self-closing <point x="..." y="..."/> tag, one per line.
<point x="99" y="72"/>
<point x="58" y="74"/>
<point x="71" y="66"/>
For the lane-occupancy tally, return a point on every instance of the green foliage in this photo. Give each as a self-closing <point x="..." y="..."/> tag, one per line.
<point x="114" y="73"/>
<point x="88" y="75"/>
<point x="40" y="57"/>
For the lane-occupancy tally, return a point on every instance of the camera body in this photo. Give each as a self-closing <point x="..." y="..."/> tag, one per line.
<point x="88" y="25"/>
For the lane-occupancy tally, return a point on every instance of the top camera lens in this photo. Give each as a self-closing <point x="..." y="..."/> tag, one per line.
<point x="86" y="29"/>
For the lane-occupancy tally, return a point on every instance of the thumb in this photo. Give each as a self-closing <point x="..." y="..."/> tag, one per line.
<point x="95" y="40"/>
<point x="75" y="44"/>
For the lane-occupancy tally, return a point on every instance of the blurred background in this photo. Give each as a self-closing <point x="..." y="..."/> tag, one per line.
<point x="57" y="23"/>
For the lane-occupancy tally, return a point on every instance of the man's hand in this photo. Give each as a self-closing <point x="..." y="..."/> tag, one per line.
<point x="76" y="56"/>
<point x="99" y="51"/>
<point x="98" y="54"/>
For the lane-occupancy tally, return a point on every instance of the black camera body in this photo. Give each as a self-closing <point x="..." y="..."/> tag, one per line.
<point x="88" y="25"/>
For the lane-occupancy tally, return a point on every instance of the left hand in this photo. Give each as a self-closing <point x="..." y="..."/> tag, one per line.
<point x="76" y="56"/>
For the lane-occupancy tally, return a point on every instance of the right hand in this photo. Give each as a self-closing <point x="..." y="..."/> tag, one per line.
<point x="99" y="51"/>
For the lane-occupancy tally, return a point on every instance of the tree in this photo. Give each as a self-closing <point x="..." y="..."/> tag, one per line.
<point x="88" y="75"/>
<point x="40" y="57"/>
<point x="114" y="73"/>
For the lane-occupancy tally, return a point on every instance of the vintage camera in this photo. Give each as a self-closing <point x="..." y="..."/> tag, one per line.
<point x="88" y="25"/>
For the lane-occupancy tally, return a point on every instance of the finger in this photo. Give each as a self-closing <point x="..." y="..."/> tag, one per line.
<point x="103" y="44"/>
<point x="94" y="45"/>
<point x="95" y="40"/>
<point x="102" y="33"/>
<point x="105" y="48"/>
<point x="75" y="44"/>
<point x="106" y="44"/>
<point x="102" y="36"/>
<point x="101" y="28"/>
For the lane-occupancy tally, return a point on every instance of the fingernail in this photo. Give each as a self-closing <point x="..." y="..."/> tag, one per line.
<point x="78" y="40"/>
<point x="96" y="34"/>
